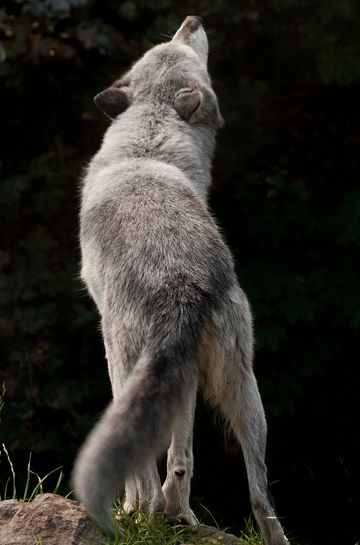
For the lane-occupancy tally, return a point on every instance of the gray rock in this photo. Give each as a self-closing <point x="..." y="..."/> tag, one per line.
<point x="53" y="520"/>
<point x="214" y="535"/>
<point x="48" y="520"/>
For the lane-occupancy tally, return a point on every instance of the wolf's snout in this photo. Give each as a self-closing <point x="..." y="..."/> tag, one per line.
<point x="192" y="33"/>
<point x="192" y="23"/>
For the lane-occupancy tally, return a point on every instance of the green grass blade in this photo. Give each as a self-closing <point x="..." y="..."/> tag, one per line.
<point x="58" y="482"/>
<point x="27" y="482"/>
<point x="11" y="469"/>
<point x="39" y="487"/>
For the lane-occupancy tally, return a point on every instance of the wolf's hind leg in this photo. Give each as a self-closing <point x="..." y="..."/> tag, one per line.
<point x="144" y="490"/>
<point x="244" y="411"/>
<point x="131" y="502"/>
<point x="230" y="384"/>
<point x="176" y="487"/>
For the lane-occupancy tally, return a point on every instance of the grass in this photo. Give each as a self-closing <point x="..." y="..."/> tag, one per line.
<point x="141" y="528"/>
<point x="39" y="487"/>
<point x="31" y="490"/>
<point x="250" y="535"/>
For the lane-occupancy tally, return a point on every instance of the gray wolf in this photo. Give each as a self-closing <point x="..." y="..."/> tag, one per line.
<point x="172" y="312"/>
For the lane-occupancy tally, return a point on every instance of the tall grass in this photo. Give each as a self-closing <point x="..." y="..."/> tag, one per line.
<point x="31" y="490"/>
<point x="140" y="527"/>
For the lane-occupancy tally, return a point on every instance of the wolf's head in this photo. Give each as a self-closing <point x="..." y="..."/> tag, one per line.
<point x="171" y="76"/>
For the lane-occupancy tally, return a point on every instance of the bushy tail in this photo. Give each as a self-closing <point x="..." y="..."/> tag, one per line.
<point x="138" y="424"/>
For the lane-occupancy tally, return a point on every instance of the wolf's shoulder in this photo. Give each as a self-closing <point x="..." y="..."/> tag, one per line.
<point x="133" y="179"/>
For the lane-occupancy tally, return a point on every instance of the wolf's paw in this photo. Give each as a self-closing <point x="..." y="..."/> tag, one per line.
<point x="186" y="517"/>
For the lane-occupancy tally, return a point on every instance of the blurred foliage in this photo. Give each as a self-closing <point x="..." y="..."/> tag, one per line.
<point x="285" y="191"/>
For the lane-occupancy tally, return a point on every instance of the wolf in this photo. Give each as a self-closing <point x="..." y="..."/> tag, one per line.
<point x="172" y="312"/>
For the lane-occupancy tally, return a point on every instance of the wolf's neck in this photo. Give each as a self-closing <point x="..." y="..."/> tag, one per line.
<point x="143" y="134"/>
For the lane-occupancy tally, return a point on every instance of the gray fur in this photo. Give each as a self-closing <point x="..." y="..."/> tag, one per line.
<point x="172" y="312"/>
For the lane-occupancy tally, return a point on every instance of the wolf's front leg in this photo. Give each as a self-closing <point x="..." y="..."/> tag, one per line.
<point x="180" y="465"/>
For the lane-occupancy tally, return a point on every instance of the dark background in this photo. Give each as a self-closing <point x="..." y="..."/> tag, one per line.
<point x="286" y="194"/>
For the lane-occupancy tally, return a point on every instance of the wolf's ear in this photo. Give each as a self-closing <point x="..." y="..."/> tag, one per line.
<point x="113" y="100"/>
<point x="199" y="105"/>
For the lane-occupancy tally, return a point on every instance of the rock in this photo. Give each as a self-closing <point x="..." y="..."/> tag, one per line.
<point x="48" y="520"/>
<point x="53" y="520"/>
<point x="213" y="535"/>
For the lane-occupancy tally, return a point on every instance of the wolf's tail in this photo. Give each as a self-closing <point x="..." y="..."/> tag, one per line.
<point x="138" y="424"/>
